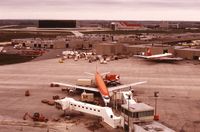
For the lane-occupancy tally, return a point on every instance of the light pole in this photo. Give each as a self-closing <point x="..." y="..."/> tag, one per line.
<point x="129" y="97"/>
<point x="156" y="94"/>
<point x="115" y="100"/>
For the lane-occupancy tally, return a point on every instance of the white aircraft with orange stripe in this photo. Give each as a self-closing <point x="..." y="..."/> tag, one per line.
<point x="165" y="57"/>
<point x="101" y="87"/>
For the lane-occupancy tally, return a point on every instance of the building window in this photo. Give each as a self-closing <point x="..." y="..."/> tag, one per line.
<point x="66" y="45"/>
<point x="90" y="45"/>
<point x="45" y="46"/>
<point x="195" y="57"/>
<point x="126" y="112"/>
<point x="165" y="51"/>
<point x="24" y="45"/>
<point x="134" y="115"/>
<point x="51" y="46"/>
<point x="145" y="113"/>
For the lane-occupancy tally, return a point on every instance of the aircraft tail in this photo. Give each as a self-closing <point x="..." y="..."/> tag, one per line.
<point x="91" y="74"/>
<point x="148" y="53"/>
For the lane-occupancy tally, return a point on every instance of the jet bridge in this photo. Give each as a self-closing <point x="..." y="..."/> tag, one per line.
<point x="105" y="112"/>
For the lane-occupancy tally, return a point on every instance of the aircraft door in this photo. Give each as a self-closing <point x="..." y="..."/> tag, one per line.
<point x="165" y="51"/>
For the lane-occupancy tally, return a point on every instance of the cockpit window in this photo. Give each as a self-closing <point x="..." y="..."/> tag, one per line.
<point x="106" y="97"/>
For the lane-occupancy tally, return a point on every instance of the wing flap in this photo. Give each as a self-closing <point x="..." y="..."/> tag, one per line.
<point x="169" y="59"/>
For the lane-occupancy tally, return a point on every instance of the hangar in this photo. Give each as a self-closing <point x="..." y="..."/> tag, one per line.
<point x="57" y="24"/>
<point x="188" y="53"/>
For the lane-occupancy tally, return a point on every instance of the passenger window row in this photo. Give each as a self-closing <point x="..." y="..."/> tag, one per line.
<point x="84" y="107"/>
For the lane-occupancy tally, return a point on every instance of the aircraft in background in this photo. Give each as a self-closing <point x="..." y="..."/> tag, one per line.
<point x="165" y="57"/>
<point x="101" y="87"/>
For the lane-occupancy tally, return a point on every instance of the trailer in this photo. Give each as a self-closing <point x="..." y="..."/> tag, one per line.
<point x="85" y="82"/>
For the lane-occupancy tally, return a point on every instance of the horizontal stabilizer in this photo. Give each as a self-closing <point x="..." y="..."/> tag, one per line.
<point x="102" y="74"/>
<point x="121" y="87"/>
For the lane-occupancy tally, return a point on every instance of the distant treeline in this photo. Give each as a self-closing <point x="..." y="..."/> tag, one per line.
<point x="19" y="22"/>
<point x="144" y="31"/>
<point x="9" y="35"/>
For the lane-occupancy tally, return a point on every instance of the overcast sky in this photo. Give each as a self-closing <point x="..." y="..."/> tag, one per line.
<point x="101" y="9"/>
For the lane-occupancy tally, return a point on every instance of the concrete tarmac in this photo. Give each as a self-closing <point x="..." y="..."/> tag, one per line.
<point x="178" y="85"/>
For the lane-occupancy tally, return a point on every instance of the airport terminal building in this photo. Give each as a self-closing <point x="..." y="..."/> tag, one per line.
<point x="57" y="24"/>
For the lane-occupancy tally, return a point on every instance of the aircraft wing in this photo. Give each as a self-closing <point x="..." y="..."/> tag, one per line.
<point x="75" y="86"/>
<point x="141" y="56"/>
<point x="159" y="55"/>
<point x="154" y="56"/>
<point x="121" y="87"/>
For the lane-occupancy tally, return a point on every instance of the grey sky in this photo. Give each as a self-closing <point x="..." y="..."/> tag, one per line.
<point x="101" y="9"/>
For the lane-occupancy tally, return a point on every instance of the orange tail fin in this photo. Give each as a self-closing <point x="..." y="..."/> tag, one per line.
<point x="148" y="53"/>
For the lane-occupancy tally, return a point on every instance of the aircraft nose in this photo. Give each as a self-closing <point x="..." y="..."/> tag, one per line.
<point x="107" y="101"/>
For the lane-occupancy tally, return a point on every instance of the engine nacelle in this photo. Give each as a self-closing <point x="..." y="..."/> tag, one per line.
<point x="54" y="85"/>
<point x="72" y="90"/>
